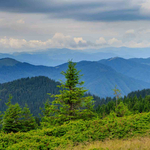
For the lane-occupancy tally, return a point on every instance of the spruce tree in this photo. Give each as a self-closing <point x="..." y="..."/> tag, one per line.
<point x="70" y="104"/>
<point x="28" y="121"/>
<point x="11" y="121"/>
<point x="15" y="119"/>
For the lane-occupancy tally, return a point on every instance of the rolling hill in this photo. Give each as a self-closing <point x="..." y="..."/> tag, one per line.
<point x="32" y="91"/>
<point x="143" y="93"/>
<point x="53" y="57"/>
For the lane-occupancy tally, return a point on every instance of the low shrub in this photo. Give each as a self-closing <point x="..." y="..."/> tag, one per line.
<point x="75" y="132"/>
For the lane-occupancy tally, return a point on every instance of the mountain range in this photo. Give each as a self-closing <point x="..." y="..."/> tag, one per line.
<point x="55" y="57"/>
<point x="100" y="77"/>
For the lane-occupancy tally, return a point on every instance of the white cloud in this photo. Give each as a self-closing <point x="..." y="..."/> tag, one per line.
<point x="36" y="43"/>
<point x="115" y="42"/>
<point x="21" y="21"/>
<point x="57" y="41"/>
<point x="80" y="39"/>
<point x="12" y="43"/>
<point x="133" y="44"/>
<point x="101" y="40"/>
<point x="60" y="40"/>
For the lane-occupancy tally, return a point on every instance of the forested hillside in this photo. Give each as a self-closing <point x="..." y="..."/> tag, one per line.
<point x="134" y="102"/>
<point x="139" y="93"/>
<point x="32" y="91"/>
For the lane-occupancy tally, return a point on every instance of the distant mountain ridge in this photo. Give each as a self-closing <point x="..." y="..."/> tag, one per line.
<point x="145" y="61"/>
<point x="54" y="57"/>
<point x="99" y="79"/>
<point x="8" y="62"/>
<point x="129" y="67"/>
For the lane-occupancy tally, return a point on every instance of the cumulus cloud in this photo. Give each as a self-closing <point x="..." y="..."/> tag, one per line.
<point x="80" y="39"/>
<point x="60" y="40"/>
<point x="12" y="43"/>
<point x="101" y="40"/>
<point x="57" y="41"/>
<point x="115" y="42"/>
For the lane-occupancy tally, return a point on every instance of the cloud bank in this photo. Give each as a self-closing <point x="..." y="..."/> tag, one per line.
<point x="64" y="41"/>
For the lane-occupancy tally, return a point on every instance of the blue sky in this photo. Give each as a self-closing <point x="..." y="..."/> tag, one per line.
<point x="29" y="25"/>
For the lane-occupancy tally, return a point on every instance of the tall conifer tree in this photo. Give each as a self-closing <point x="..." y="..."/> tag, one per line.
<point x="70" y="104"/>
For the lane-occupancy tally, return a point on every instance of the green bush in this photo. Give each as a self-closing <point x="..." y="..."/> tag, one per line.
<point x="122" y="110"/>
<point x="74" y="132"/>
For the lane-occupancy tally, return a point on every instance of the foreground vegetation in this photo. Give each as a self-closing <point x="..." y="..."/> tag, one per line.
<point x="70" y="121"/>
<point x="76" y="132"/>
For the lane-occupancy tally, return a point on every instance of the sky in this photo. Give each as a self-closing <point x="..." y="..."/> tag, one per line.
<point x="32" y="25"/>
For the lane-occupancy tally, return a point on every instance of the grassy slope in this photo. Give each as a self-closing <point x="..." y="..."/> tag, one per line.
<point x="77" y="132"/>
<point x="138" y="143"/>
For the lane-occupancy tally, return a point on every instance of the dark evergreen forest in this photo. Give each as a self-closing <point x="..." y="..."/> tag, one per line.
<point x="31" y="91"/>
<point x="34" y="92"/>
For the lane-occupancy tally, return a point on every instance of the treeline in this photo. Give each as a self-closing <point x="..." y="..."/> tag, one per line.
<point x="34" y="92"/>
<point x="139" y="93"/>
<point x="31" y="91"/>
<point x="133" y="104"/>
